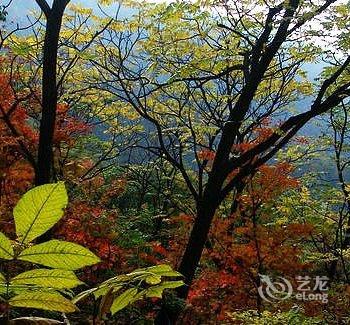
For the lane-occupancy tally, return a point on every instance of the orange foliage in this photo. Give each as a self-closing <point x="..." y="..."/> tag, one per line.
<point x="245" y="244"/>
<point x="16" y="174"/>
<point x="68" y="128"/>
<point x="19" y="136"/>
<point x="93" y="227"/>
<point x="206" y="155"/>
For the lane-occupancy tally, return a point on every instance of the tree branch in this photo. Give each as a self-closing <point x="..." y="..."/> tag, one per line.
<point x="44" y="7"/>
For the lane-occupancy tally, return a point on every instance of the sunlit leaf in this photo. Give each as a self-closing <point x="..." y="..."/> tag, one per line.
<point x="3" y="284"/>
<point x="6" y="250"/>
<point x="38" y="210"/>
<point x="58" y="279"/>
<point x="52" y="301"/>
<point x="153" y="279"/>
<point x="161" y="270"/>
<point x="59" y="255"/>
<point x="157" y="291"/>
<point x="123" y="300"/>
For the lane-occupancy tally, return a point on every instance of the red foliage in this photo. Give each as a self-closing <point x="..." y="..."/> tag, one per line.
<point x="260" y="134"/>
<point x="19" y="137"/>
<point x="16" y="174"/>
<point x="269" y="182"/>
<point x="206" y="155"/>
<point x="68" y="128"/>
<point x="94" y="228"/>
<point x="245" y="244"/>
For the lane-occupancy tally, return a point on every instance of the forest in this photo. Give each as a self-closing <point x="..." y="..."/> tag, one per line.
<point x="175" y="162"/>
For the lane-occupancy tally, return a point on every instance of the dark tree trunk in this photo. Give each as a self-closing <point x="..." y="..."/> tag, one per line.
<point x="196" y="244"/>
<point x="190" y="260"/>
<point x="54" y="16"/>
<point x="44" y="167"/>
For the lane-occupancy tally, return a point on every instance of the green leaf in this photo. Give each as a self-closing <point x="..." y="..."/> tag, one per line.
<point x="172" y="284"/>
<point x="97" y="292"/>
<point x="103" y="291"/>
<point x="161" y="270"/>
<point x="153" y="279"/>
<point x="25" y="288"/>
<point x="154" y="292"/>
<point x="157" y="291"/>
<point x="57" y="279"/>
<point x="39" y="210"/>
<point x="52" y="301"/>
<point x="3" y="291"/>
<point x="6" y="250"/>
<point x="164" y="270"/>
<point x="123" y="300"/>
<point x="59" y="255"/>
<point x="3" y="284"/>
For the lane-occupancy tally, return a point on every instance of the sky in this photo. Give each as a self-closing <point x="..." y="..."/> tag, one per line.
<point x="20" y="8"/>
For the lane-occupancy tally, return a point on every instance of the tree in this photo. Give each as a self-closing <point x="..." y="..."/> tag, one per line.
<point x="338" y="123"/>
<point x="206" y="82"/>
<point x="215" y="92"/>
<point x="53" y="16"/>
<point x="55" y="51"/>
<point x="257" y="239"/>
<point x="44" y="162"/>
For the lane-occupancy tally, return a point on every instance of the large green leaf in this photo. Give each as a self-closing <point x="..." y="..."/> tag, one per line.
<point x="57" y="279"/>
<point x="157" y="291"/>
<point x="124" y="299"/>
<point x="59" y="255"/>
<point x="39" y="210"/>
<point x="52" y="301"/>
<point x="6" y="250"/>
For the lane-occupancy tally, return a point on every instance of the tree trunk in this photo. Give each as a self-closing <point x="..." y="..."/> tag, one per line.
<point x="205" y="212"/>
<point x="49" y="92"/>
<point x="44" y="170"/>
<point x="196" y="243"/>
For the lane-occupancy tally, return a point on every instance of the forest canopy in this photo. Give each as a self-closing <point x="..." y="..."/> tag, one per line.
<point x="175" y="162"/>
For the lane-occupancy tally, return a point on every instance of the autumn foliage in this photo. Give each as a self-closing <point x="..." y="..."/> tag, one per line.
<point x="16" y="133"/>
<point x="179" y="136"/>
